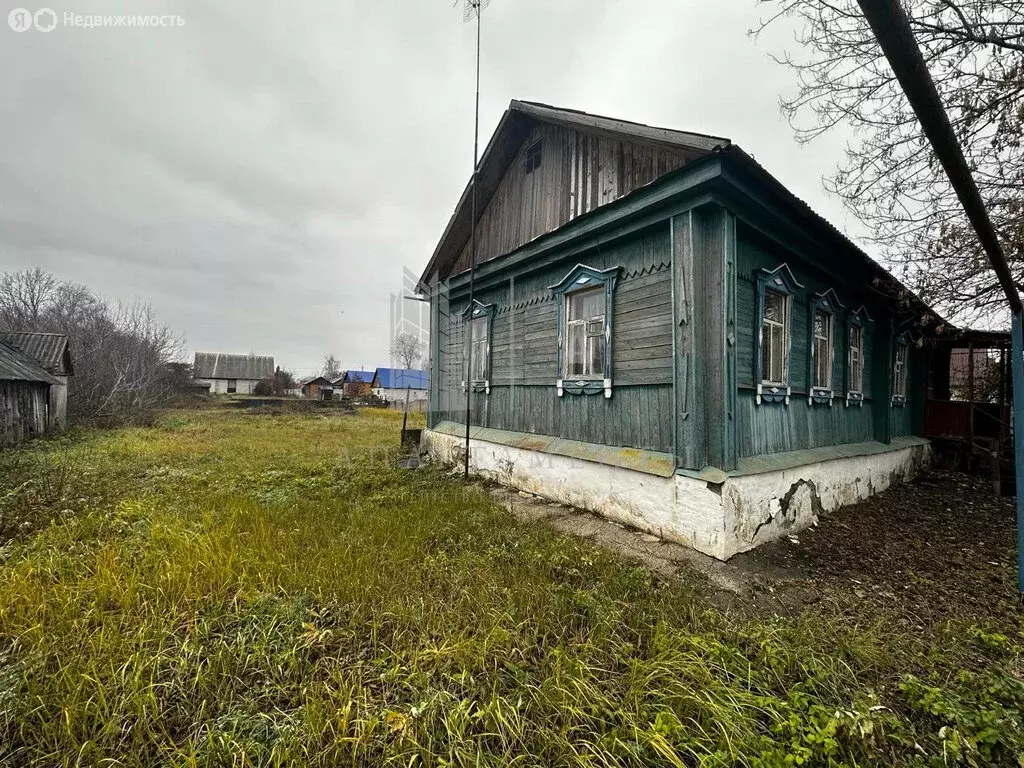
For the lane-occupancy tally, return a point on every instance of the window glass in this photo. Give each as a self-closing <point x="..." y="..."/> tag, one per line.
<point x="478" y="335"/>
<point x="533" y="156"/>
<point x="822" y="349"/>
<point x="899" y="379"/>
<point x="774" y="337"/>
<point x="585" y="332"/>
<point x="856" y="358"/>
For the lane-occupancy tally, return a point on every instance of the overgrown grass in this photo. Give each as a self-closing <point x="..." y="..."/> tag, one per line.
<point x="233" y="589"/>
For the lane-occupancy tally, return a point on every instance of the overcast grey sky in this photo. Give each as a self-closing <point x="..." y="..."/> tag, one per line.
<point x="262" y="173"/>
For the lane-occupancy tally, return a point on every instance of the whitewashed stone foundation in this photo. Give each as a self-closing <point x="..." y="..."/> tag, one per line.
<point x="716" y="513"/>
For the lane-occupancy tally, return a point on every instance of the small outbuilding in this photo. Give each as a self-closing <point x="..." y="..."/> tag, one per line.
<point x="52" y="351"/>
<point x="24" y="396"/>
<point x="232" y="374"/>
<point x="318" y="388"/>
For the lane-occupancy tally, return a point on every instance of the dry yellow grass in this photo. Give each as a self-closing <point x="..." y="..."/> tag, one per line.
<point x="239" y="589"/>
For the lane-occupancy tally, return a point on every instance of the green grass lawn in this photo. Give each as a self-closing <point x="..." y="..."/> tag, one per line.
<point x="241" y="589"/>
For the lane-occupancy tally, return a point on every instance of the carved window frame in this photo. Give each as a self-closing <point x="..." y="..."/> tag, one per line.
<point x="582" y="278"/>
<point x="477" y="312"/>
<point x="780" y="280"/>
<point x="859" y="318"/>
<point x="900" y="343"/>
<point x="826" y="302"/>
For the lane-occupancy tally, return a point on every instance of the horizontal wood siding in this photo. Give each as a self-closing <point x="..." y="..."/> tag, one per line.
<point x="579" y="172"/>
<point x="524" y="360"/>
<point x="774" y="427"/>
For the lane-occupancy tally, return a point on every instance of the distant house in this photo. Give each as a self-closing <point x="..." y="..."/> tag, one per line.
<point x="231" y="374"/>
<point x="52" y="351"/>
<point x="318" y="388"/>
<point x="392" y="383"/>
<point x="25" y="390"/>
<point x="355" y="383"/>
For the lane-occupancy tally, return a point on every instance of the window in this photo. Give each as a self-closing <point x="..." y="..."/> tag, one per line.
<point x="857" y="358"/>
<point x="821" y="341"/>
<point x="585" y="330"/>
<point x="478" y="348"/>
<point x="822" y="350"/>
<point x="899" y="373"/>
<point x="478" y="345"/>
<point x="232" y="386"/>
<point x="775" y="291"/>
<point x="533" y="155"/>
<point x="774" y="337"/>
<point x="584" y="321"/>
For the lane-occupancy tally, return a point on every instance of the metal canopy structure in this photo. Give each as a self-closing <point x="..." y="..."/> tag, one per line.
<point x="892" y="29"/>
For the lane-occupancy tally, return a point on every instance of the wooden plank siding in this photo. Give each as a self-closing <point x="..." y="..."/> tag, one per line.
<point x="24" y="411"/>
<point x="774" y="428"/>
<point x="524" y="339"/>
<point x="684" y="315"/>
<point x="579" y="171"/>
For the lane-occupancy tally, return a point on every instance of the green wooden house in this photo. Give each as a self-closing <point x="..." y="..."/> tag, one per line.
<point x="659" y="331"/>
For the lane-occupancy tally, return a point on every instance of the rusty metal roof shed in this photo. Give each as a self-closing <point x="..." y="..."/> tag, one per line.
<point x="15" y="365"/>
<point x="51" y="350"/>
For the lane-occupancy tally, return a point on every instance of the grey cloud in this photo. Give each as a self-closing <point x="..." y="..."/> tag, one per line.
<point x="262" y="174"/>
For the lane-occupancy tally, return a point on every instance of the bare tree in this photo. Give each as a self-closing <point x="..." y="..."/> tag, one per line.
<point x="975" y="53"/>
<point x="331" y="369"/>
<point x="25" y="296"/>
<point x="121" y="352"/>
<point x="407" y="349"/>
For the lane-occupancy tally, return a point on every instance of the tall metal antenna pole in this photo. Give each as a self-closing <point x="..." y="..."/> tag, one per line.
<point x="477" y="7"/>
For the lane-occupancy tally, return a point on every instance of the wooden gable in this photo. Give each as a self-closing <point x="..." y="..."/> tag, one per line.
<point x="579" y="171"/>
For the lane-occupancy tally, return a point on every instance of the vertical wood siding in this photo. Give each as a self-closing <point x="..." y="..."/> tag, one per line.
<point x="23" y="411"/>
<point x="579" y="171"/>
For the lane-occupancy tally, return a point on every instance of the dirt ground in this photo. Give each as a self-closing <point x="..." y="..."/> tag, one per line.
<point x="942" y="547"/>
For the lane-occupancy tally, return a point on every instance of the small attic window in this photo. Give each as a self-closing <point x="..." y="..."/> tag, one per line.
<point x="533" y="156"/>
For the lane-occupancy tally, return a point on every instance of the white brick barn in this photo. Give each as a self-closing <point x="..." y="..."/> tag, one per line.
<point x="231" y="374"/>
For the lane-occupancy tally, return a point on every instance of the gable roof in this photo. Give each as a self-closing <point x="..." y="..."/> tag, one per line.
<point x="51" y="350"/>
<point x="352" y="377"/>
<point x="401" y="378"/>
<point x="321" y="381"/>
<point x="818" y="226"/>
<point x="512" y="129"/>
<point x="15" y="365"/>
<point x="211" y="365"/>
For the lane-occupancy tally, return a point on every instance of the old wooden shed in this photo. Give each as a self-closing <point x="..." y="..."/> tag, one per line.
<point x="24" y="396"/>
<point x="660" y="331"/>
<point x="53" y="352"/>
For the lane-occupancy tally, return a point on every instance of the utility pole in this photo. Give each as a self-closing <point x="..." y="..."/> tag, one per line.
<point x="892" y="29"/>
<point x="472" y="8"/>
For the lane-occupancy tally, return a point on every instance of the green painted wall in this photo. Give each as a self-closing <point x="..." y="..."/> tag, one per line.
<point x="775" y="427"/>
<point x="673" y="274"/>
<point x="524" y="365"/>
